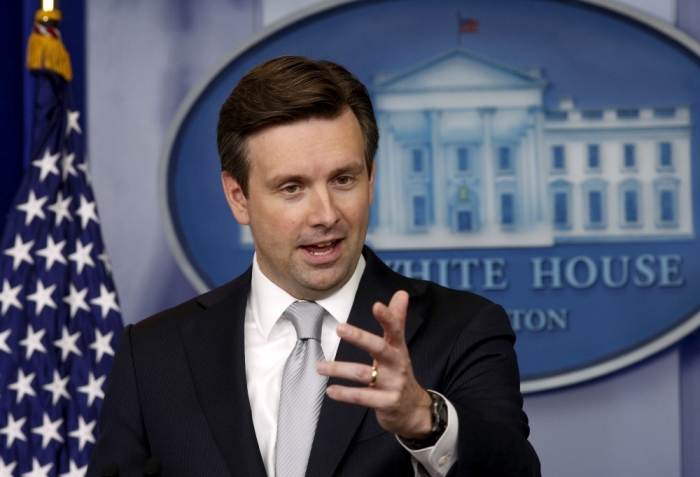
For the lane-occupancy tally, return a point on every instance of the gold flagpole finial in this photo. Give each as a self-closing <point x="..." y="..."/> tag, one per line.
<point x="45" y="50"/>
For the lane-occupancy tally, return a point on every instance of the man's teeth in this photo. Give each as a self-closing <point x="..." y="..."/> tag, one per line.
<point x="323" y="245"/>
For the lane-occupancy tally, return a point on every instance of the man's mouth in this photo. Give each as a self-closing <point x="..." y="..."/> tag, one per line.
<point x="323" y="248"/>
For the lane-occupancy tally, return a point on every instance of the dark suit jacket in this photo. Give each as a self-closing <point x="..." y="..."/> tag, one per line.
<point x="177" y="390"/>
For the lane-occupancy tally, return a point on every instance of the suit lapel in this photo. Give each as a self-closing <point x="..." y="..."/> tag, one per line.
<point x="214" y="342"/>
<point x="338" y="422"/>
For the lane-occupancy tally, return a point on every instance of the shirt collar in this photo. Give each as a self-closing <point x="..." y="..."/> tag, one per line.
<point x="268" y="301"/>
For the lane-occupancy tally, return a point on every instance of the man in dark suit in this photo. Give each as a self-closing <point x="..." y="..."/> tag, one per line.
<point x="426" y="385"/>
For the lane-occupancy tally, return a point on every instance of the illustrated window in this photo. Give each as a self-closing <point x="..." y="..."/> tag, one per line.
<point x="593" y="157"/>
<point x="666" y="202"/>
<point x="665" y="160"/>
<point x="420" y="211"/>
<point x="560" y="194"/>
<point x="505" y="160"/>
<point x="462" y="159"/>
<point x="558" y="159"/>
<point x="631" y="203"/>
<point x="507" y="212"/>
<point x="630" y="159"/>
<point x="417" y="161"/>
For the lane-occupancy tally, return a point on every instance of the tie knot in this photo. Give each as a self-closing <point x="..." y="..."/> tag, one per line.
<point x="307" y="318"/>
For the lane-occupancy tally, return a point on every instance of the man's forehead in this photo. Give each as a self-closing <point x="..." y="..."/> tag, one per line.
<point x="287" y="143"/>
<point x="316" y="120"/>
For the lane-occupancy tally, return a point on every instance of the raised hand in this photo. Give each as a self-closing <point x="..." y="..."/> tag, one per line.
<point x="402" y="406"/>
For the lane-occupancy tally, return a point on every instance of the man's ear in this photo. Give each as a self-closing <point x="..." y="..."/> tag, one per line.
<point x="235" y="198"/>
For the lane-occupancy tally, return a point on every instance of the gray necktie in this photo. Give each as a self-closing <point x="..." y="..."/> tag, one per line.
<point x="302" y="391"/>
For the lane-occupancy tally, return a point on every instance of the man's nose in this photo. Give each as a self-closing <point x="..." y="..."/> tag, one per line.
<point x="323" y="209"/>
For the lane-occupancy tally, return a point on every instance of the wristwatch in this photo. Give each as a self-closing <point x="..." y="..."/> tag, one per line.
<point x="439" y="419"/>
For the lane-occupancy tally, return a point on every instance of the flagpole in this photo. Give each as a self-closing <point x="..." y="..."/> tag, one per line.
<point x="459" y="32"/>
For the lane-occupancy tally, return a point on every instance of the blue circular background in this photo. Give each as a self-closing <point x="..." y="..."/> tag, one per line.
<point x="602" y="58"/>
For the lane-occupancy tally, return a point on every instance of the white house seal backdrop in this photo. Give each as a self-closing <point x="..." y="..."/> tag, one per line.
<point x="543" y="154"/>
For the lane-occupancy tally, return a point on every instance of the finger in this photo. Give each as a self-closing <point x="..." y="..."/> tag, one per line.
<point x="393" y="317"/>
<point x="369" y="397"/>
<point x="360" y="373"/>
<point x="375" y="345"/>
<point x="384" y="316"/>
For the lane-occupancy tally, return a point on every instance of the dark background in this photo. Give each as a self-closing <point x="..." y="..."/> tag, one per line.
<point x="16" y="85"/>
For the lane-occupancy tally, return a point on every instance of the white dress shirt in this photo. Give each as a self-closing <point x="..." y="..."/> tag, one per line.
<point x="269" y="342"/>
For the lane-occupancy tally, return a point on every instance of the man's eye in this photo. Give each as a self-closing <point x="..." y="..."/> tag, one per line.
<point x="343" y="180"/>
<point x="290" y="189"/>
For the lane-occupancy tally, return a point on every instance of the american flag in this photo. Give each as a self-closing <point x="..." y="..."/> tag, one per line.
<point x="60" y="319"/>
<point x="468" y="25"/>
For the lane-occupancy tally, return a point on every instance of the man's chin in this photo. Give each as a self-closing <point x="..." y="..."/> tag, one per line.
<point x="322" y="283"/>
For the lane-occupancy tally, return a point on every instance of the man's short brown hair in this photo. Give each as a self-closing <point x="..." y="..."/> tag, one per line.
<point x="283" y="91"/>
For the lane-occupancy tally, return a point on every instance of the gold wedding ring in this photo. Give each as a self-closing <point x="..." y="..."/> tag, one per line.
<point x="373" y="379"/>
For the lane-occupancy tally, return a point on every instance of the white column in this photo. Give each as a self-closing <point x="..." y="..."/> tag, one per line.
<point x="541" y="195"/>
<point x="523" y="169"/>
<point x="382" y="188"/>
<point x="397" y="192"/>
<point x="439" y="170"/>
<point x="489" y="177"/>
<point x="532" y="184"/>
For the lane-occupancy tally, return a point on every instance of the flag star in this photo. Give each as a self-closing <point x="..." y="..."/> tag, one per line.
<point x="86" y="211"/>
<point x="38" y="470"/>
<point x="33" y="341"/>
<point x="8" y="297"/>
<point x="106" y="301"/>
<point x="53" y="252"/>
<point x="104" y="258"/>
<point x="73" y="122"/>
<point x="76" y="300"/>
<point x="42" y="296"/>
<point x="67" y="165"/>
<point x="48" y="430"/>
<point x="83" y="433"/>
<point x="3" y="341"/>
<point x="47" y="164"/>
<point x="93" y="388"/>
<point x="33" y="207"/>
<point x="81" y="256"/>
<point x="7" y="469"/>
<point x="57" y="388"/>
<point x="13" y="430"/>
<point x="85" y="167"/>
<point x="75" y="471"/>
<point x="20" y="252"/>
<point x="67" y="343"/>
<point x="101" y="344"/>
<point x="23" y="385"/>
<point x="61" y="208"/>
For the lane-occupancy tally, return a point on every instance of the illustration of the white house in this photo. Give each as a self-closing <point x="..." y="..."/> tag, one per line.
<point x="469" y="156"/>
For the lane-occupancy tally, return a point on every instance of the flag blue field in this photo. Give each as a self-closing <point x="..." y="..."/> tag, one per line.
<point x="60" y="319"/>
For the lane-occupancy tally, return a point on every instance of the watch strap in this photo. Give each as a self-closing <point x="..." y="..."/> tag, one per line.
<point x="439" y="420"/>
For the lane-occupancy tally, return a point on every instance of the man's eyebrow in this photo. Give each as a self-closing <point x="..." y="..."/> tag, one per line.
<point x="278" y="180"/>
<point x="351" y="169"/>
